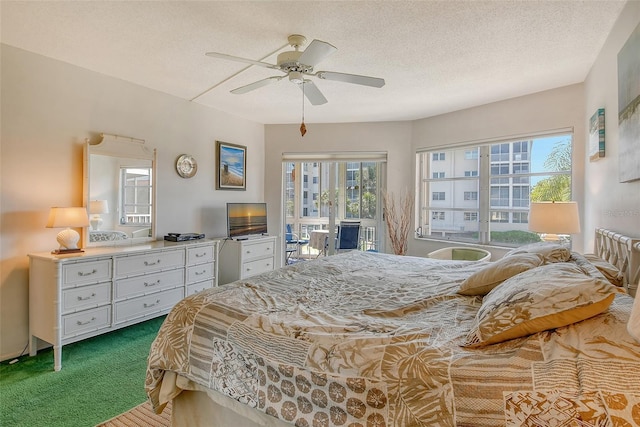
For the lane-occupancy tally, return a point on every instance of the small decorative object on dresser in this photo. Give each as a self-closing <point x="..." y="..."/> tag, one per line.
<point x="74" y="297"/>
<point x="68" y="217"/>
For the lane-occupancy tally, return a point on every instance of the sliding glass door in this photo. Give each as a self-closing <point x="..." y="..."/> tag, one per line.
<point x="319" y="194"/>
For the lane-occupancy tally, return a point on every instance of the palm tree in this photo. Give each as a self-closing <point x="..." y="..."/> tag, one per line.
<point x="556" y="188"/>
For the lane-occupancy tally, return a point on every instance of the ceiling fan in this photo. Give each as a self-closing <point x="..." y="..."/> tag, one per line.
<point x="297" y="64"/>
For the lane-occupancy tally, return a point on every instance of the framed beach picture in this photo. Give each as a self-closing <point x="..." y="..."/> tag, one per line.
<point x="232" y="163"/>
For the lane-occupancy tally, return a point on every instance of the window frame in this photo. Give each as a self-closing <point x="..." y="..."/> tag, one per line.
<point x="520" y="155"/>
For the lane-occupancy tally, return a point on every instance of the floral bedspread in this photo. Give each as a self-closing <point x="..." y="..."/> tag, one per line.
<point x="368" y="339"/>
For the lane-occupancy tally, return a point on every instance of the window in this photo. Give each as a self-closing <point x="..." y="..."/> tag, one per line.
<point x="471" y="216"/>
<point x="499" y="216"/>
<point x="488" y="193"/>
<point x="471" y="154"/>
<point x="437" y="216"/>
<point x="136" y="196"/>
<point x="438" y="175"/>
<point x="471" y="195"/>
<point x="311" y="203"/>
<point x="520" y="217"/>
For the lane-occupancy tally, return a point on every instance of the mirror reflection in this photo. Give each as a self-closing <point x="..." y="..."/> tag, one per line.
<point x="120" y="192"/>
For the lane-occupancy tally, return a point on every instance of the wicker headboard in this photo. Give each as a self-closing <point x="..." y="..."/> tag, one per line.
<point x="623" y="252"/>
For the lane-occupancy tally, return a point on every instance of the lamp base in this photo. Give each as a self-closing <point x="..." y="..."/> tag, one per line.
<point x="96" y="222"/>
<point x="66" y="251"/>
<point x="68" y="239"/>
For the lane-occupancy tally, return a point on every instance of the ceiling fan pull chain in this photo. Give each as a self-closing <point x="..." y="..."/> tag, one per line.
<point x="303" y="128"/>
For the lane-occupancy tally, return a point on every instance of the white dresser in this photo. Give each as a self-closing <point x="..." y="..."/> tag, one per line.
<point x="240" y="259"/>
<point x="77" y="296"/>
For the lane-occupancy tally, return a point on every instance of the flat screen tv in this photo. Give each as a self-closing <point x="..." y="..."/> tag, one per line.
<point x="246" y="219"/>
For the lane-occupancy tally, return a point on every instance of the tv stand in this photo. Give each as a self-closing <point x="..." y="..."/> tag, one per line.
<point x="240" y="259"/>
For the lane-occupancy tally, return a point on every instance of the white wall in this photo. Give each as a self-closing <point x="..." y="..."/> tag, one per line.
<point x="612" y="204"/>
<point x="48" y="108"/>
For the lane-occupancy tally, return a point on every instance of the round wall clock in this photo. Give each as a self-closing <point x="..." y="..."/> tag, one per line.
<point x="186" y="166"/>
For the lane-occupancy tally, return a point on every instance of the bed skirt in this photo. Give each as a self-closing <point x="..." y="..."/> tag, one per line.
<point x="196" y="407"/>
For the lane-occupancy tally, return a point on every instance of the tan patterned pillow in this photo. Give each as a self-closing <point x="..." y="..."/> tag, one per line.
<point x="552" y="252"/>
<point x="610" y="271"/>
<point x="482" y="281"/>
<point x="545" y="297"/>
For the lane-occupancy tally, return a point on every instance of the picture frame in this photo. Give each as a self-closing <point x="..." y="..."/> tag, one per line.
<point x="629" y="108"/>
<point x="596" y="135"/>
<point x="232" y="164"/>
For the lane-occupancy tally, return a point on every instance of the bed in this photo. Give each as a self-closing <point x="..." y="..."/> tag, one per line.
<point x="540" y="337"/>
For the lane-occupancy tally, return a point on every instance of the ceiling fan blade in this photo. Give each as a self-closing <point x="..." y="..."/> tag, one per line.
<point x="256" y="85"/>
<point x="350" y="78"/>
<point x="316" y="52"/>
<point x="312" y="93"/>
<point x="245" y="60"/>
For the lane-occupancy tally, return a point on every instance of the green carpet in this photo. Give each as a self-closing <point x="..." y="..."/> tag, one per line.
<point x="101" y="377"/>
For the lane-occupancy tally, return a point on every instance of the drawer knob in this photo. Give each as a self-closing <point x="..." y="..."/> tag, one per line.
<point x="157" y="282"/>
<point x="86" y="298"/>
<point x="85" y="323"/>
<point x="201" y="255"/>
<point x="201" y="273"/>
<point x="152" y="304"/>
<point x="82" y="273"/>
<point x="147" y="263"/>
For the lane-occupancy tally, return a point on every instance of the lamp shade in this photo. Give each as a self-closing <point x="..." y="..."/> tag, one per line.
<point x="554" y="217"/>
<point x="98" y="207"/>
<point x="67" y="217"/>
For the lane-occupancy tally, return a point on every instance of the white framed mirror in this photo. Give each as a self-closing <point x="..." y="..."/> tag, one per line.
<point x="119" y="191"/>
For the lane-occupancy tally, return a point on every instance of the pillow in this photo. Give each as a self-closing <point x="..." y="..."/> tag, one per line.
<point x="482" y="281"/>
<point x="610" y="271"/>
<point x="552" y="252"/>
<point x="545" y="297"/>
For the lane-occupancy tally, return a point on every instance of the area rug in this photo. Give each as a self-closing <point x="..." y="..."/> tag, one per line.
<point x="141" y="416"/>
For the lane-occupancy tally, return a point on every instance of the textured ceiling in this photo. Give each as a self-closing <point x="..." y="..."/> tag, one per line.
<point x="436" y="56"/>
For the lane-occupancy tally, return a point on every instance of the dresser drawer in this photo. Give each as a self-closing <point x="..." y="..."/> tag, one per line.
<point x="146" y="305"/>
<point x="86" y="272"/>
<point x="141" y="285"/>
<point x="84" y="297"/>
<point x="252" y="251"/>
<point x="197" y="273"/>
<point x="140" y="264"/>
<point x="198" y="287"/>
<point x="199" y="255"/>
<point x="256" y="267"/>
<point x="86" y="321"/>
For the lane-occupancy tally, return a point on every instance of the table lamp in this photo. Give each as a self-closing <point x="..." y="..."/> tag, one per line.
<point x="96" y="209"/>
<point x="553" y="218"/>
<point x="68" y="217"/>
